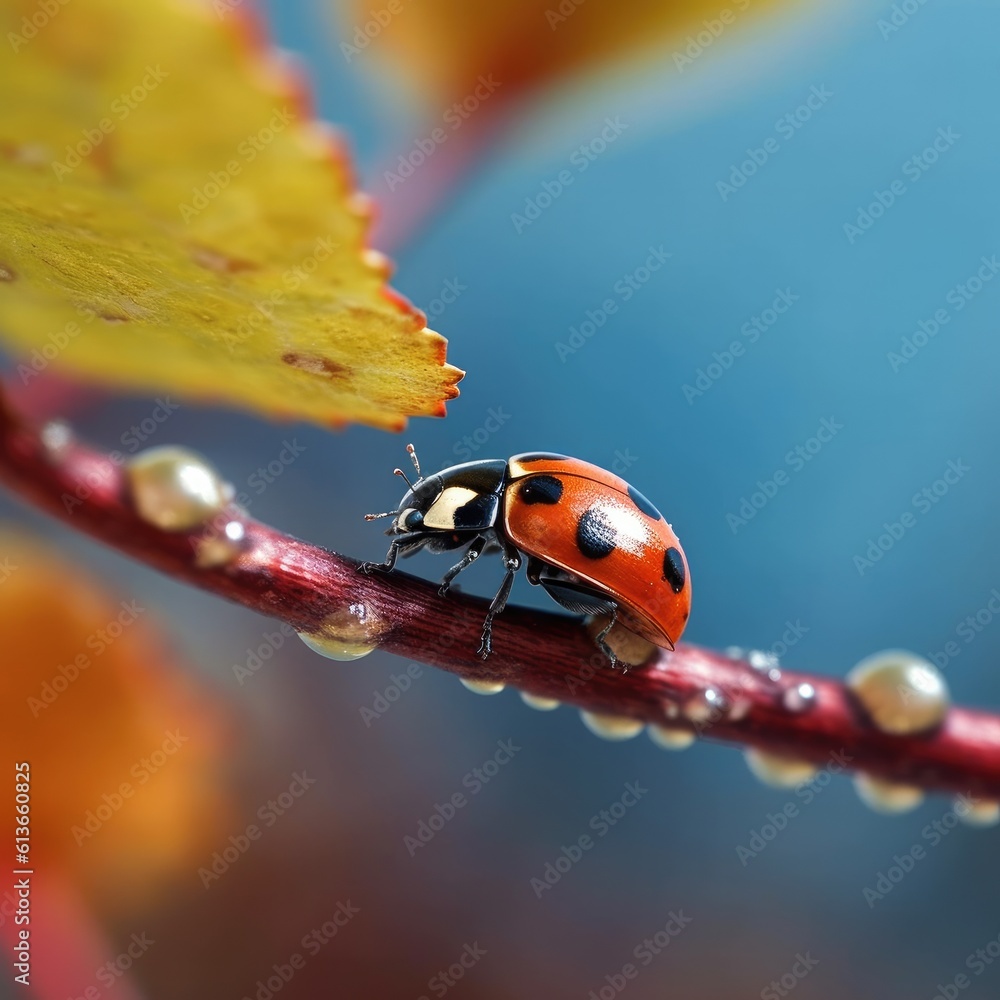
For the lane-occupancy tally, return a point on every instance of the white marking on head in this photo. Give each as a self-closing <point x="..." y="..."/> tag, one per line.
<point x="441" y="513"/>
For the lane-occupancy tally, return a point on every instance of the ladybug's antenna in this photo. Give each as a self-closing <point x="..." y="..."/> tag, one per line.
<point x="388" y="513"/>
<point x="412" y="452"/>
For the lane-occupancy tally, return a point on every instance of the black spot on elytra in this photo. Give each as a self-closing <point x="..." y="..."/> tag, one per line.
<point x="673" y="570"/>
<point x="643" y="504"/>
<point x="542" y="489"/>
<point x="539" y="456"/>
<point x="596" y="536"/>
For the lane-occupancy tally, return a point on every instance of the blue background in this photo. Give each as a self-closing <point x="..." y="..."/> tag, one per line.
<point x="621" y="393"/>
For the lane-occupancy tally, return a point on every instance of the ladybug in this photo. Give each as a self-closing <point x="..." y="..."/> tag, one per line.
<point x="595" y="543"/>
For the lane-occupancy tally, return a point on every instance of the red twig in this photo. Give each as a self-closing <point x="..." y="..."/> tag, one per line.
<point x="545" y="654"/>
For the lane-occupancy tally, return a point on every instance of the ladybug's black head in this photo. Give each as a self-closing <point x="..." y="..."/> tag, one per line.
<point x="409" y="515"/>
<point x="416" y="503"/>
<point x="463" y="498"/>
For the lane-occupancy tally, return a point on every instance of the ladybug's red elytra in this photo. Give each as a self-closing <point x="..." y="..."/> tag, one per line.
<point x="595" y="543"/>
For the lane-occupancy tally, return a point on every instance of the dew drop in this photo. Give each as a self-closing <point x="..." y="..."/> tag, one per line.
<point x="764" y="662"/>
<point x="346" y="634"/>
<point x="221" y="548"/>
<point x="887" y="796"/>
<point x="611" y="727"/>
<point x="335" y="648"/>
<point x="778" y="770"/>
<point x="978" y="812"/>
<point x="630" y="650"/>
<point x="7" y="273"/>
<point x="901" y="692"/>
<point x="175" y="489"/>
<point x="706" y="706"/>
<point x="482" y="687"/>
<point x="56" y="437"/>
<point x="799" y="698"/>
<point x="670" y="737"/>
<point x="539" y="702"/>
<point x="235" y="531"/>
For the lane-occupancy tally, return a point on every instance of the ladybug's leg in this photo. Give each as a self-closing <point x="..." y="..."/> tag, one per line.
<point x="385" y="567"/>
<point x="602" y="635"/>
<point x="581" y="600"/>
<point x="405" y="544"/>
<point x="512" y="560"/>
<point x="472" y="553"/>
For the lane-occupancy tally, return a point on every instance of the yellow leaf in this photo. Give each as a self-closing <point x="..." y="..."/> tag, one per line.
<point x="447" y="45"/>
<point x="172" y="218"/>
